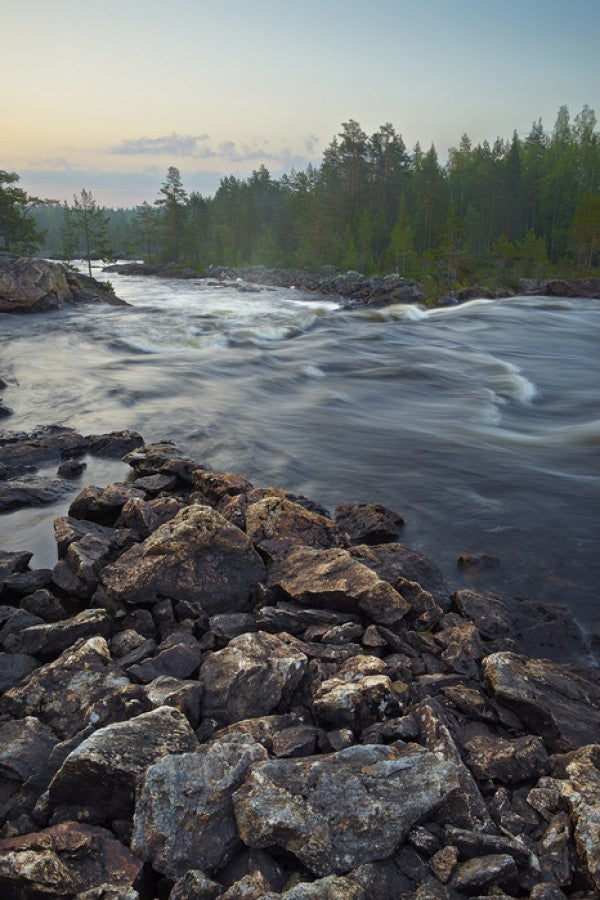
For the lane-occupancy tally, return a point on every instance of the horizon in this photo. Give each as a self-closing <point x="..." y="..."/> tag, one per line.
<point x="221" y="90"/>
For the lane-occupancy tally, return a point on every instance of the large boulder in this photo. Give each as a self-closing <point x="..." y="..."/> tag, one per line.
<point x="560" y="706"/>
<point x="197" y="556"/>
<point x="252" y="676"/>
<point x="275" y="524"/>
<point x="36" y="285"/>
<point x="184" y="813"/>
<point x="337" y="811"/>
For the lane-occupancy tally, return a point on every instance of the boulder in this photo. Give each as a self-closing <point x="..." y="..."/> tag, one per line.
<point x="184" y="815"/>
<point x="49" y="640"/>
<point x="25" y="745"/>
<point x="65" y="861"/>
<point x="334" y="580"/>
<point x="60" y="693"/>
<point x="14" y="667"/>
<point x="104" y="771"/>
<point x="254" y="675"/>
<point x="510" y="762"/>
<point x="559" y="705"/>
<point x="275" y="524"/>
<point x="368" y="523"/>
<point x="397" y="561"/>
<point x="103" y="505"/>
<point x="337" y="811"/>
<point x="197" y="556"/>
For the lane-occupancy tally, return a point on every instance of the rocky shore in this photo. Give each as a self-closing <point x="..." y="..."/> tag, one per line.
<point x="226" y="691"/>
<point x="35" y="285"/>
<point x="360" y="290"/>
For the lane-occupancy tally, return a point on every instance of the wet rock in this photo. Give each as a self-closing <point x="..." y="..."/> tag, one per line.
<point x="63" y="861"/>
<point x="14" y="667"/>
<point x="275" y="524"/>
<point x="21" y="453"/>
<point x="48" y="640"/>
<point x="13" y="561"/>
<point x="338" y="811"/>
<point x="466" y="807"/>
<point x="30" y="490"/>
<point x="5" y="411"/>
<point x="77" y="573"/>
<point x="216" y="487"/>
<point x="478" y="561"/>
<point x="368" y="523"/>
<point x="154" y="484"/>
<point x="71" y="468"/>
<point x="333" y="579"/>
<point x="20" y="584"/>
<point x="108" y="766"/>
<point x="115" y="444"/>
<point x="477" y="874"/>
<point x="184" y="816"/>
<point x="103" y="506"/>
<point x="252" y="676"/>
<point x="546" y="891"/>
<point x="68" y="530"/>
<point x="44" y="605"/>
<point x="511" y="762"/>
<point x="560" y="706"/>
<point x="537" y="629"/>
<point x="60" y="692"/>
<point x="395" y="561"/>
<point x="195" y="885"/>
<point x="197" y="556"/>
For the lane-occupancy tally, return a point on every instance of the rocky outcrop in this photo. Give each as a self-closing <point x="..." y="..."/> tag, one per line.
<point x="36" y="285"/>
<point x="220" y="691"/>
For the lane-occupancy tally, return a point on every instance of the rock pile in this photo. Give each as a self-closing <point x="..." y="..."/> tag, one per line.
<point x="252" y="699"/>
<point x="37" y="285"/>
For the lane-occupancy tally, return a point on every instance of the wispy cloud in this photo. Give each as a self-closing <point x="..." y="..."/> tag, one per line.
<point x="171" y="144"/>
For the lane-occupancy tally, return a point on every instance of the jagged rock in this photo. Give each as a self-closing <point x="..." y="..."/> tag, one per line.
<point x="179" y="657"/>
<point x="397" y="561"/>
<point x="25" y="745"/>
<point x="13" y="561"/>
<point x="185" y="696"/>
<point x="14" y="667"/>
<point x="77" y="573"/>
<point x="195" y="885"/>
<point x="356" y="701"/>
<point x="466" y="807"/>
<point x="45" y="605"/>
<point x="481" y="843"/>
<point x="263" y="729"/>
<point x="154" y="484"/>
<point x="298" y="740"/>
<point x="275" y="524"/>
<point x="107" y="767"/>
<point x="197" y="556"/>
<point x="552" y="851"/>
<point x="477" y="874"/>
<point x="253" y="886"/>
<point x="537" y="629"/>
<point x="338" y="811"/>
<point x="248" y="862"/>
<point x="553" y="702"/>
<point x="183" y="815"/>
<point x="20" y="584"/>
<point x="108" y="891"/>
<point x="20" y="453"/>
<point x="508" y="761"/>
<point x="443" y="863"/>
<point x="546" y="891"/>
<point x="12" y="620"/>
<point x="60" y="693"/>
<point x="125" y="641"/>
<point x="103" y="506"/>
<point x="288" y="617"/>
<point x="48" y="640"/>
<point x="230" y="625"/>
<point x="368" y="523"/>
<point x="252" y="676"/>
<point x="68" y="530"/>
<point x="63" y="861"/>
<point x="581" y="791"/>
<point x="333" y="579"/>
<point x="71" y="468"/>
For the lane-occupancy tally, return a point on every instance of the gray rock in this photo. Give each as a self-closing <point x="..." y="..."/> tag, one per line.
<point x="368" y="523"/>
<point x="581" y="792"/>
<point x="275" y="524"/>
<point x="25" y="745"/>
<point x="511" y="762"/>
<point x="338" y="811"/>
<point x="13" y="620"/>
<point x="77" y="573"/>
<point x="185" y="696"/>
<point x="551" y="701"/>
<point x="60" y="693"/>
<point x="184" y="816"/>
<point x="477" y="874"/>
<point x="295" y="619"/>
<point x="14" y="667"/>
<point x="45" y="605"/>
<point x="397" y="561"/>
<point x="230" y="625"/>
<point x="102" y="505"/>
<point x="195" y="885"/>
<point x="197" y="556"/>
<point x="252" y="676"/>
<point x="48" y="640"/>
<point x="104" y="771"/>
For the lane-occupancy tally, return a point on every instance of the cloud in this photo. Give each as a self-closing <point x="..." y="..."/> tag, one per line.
<point x="311" y="144"/>
<point x="172" y="144"/>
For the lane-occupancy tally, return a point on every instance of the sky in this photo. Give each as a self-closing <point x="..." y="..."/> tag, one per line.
<point x="107" y="95"/>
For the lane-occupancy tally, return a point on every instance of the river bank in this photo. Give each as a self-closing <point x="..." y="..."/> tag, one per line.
<point x="205" y="652"/>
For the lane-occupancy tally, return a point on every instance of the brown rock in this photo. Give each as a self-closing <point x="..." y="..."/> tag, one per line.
<point x="368" y="523"/>
<point x="63" y="861"/>
<point x="395" y="561"/>
<point x="477" y="874"/>
<point x="275" y="524"/>
<point x="103" y="505"/>
<point x="197" y="556"/>
<point x="508" y="761"/>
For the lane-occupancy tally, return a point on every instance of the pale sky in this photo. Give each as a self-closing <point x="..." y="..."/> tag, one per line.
<point x="108" y="95"/>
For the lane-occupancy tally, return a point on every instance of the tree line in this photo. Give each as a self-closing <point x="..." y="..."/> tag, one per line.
<point x="493" y="212"/>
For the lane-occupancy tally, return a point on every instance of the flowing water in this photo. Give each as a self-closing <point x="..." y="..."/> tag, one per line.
<point x="480" y="424"/>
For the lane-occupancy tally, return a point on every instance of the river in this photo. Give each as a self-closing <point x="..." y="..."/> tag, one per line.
<point x="479" y="424"/>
